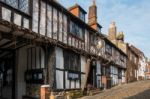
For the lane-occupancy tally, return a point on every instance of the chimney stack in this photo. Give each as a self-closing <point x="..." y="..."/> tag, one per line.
<point x="112" y="31"/>
<point x="92" y="17"/>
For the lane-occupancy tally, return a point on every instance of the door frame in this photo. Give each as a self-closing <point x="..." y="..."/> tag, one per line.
<point x="13" y="70"/>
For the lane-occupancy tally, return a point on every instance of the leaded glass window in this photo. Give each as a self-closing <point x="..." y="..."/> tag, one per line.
<point x="71" y="61"/>
<point x="24" y="5"/>
<point x="13" y="3"/>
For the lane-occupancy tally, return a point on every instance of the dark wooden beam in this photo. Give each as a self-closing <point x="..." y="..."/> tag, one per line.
<point x="0" y="11"/>
<point x="5" y="44"/>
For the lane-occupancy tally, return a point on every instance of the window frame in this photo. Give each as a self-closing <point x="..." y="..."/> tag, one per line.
<point x="18" y="3"/>
<point x="69" y="61"/>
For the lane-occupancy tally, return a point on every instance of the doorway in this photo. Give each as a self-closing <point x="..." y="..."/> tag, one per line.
<point x="7" y="77"/>
<point x="91" y="82"/>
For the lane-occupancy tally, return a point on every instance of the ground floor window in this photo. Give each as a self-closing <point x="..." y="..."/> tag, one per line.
<point x="71" y="61"/>
<point x="35" y="65"/>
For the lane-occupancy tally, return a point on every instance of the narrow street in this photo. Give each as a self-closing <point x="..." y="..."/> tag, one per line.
<point x="136" y="90"/>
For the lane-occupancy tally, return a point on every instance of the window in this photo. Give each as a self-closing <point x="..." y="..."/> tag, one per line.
<point x="71" y="61"/>
<point x="36" y="58"/>
<point x="13" y="3"/>
<point x="93" y="39"/>
<point x="82" y="16"/>
<point x="76" y="30"/>
<point x="108" y="49"/>
<point x="122" y="58"/>
<point x="22" y="5"/>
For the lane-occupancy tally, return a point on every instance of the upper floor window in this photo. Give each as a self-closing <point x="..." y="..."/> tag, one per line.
<point x="122" y="58"/>
<point x="76" y="30"/>
<point x="82" y="16"/>
<point x="108" y="49"/>
<point x="93" y="39"/>
<point x="22" y="5"/>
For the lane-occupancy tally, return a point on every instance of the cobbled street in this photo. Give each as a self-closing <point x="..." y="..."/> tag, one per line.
<point x="135" y="90"/>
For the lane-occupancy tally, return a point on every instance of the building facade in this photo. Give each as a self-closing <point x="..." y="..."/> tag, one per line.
<point x="131" y="52"/>
<point x="43" y="43"/>
<point x="147" y="72"/>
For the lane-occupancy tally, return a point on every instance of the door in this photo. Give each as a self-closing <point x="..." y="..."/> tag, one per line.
<point x="92" y="76"/>
<point x="6" y="74"/>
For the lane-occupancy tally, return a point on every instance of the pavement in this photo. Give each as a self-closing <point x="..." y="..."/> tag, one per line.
<point x="135" y="90"/>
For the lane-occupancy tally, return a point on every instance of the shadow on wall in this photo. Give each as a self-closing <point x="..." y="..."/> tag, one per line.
<point x="143" y="95"/>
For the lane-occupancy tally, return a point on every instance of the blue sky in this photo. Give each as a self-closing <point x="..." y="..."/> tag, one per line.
<point x="131" y="16"/>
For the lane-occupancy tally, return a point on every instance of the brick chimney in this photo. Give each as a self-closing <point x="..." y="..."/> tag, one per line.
<point x="112" y="31"/>
<point x="92" y="17"/>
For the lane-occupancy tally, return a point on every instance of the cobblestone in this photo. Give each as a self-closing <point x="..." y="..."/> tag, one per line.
<point x="135" y="90"/>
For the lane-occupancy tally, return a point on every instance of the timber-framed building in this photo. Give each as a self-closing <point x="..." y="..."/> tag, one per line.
<point x="43" y="43"/>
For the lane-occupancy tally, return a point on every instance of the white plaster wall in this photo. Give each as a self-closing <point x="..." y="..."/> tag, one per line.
<point x="49" y="22"/>
<point x="98" y="67"/>
<point x="59" y="58"/>
<point x="59" y="79"/>
<point x="82" y="80"/>
<point x="77" y="84"/>
<point x="21" y="67"/>
<point x="6" y="14"/>
<point x="72" y="84"/>
<point x="142" y="67"/>
<point x="66" y="80"/>
<point x="17" y="19"/>
<point x="43" y="18"/>
<point x="35" y="16"/>
<point x="83" y="64"/>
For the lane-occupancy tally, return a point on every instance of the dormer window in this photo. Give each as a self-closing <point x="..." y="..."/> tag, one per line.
<point x="78" y="11"/>
<point x="82" y="16"/>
